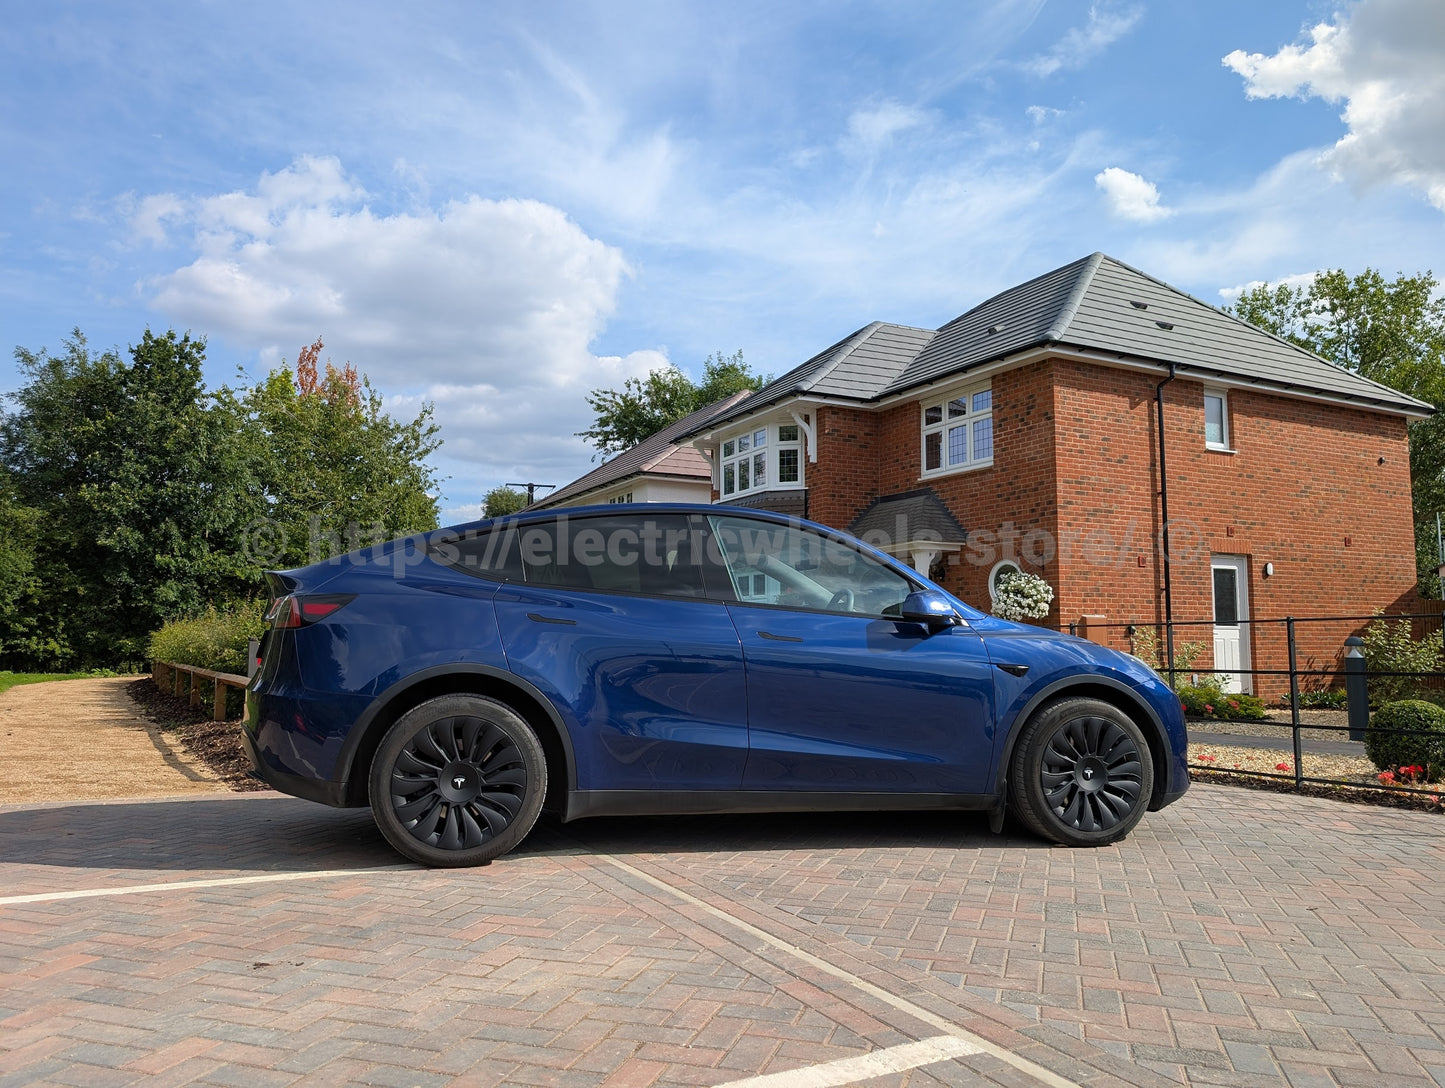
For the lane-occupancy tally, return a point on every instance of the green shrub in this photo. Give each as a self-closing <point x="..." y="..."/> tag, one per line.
<point x="1389" y="647"/>
<point x="213" y="640"/>
<point x="1208" y="701"/>
<point x="1391" y="751"/>
<point x="1149" y="648"/>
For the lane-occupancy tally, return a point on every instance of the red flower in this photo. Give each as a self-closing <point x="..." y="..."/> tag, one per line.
<point x="1207" y="759"/>
<point x="1281" y="766"/>
<point x="1208" y="709"/>
<point x="1386" y="777"/>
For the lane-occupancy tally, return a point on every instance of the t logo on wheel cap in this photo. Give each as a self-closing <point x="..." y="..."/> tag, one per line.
<point x="458" y="782"/>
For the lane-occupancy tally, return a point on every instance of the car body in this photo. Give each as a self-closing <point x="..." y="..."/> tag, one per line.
<point x="667" y="658"/>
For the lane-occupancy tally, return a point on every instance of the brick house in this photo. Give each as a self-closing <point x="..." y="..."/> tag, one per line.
<point x="1026" y="433"/>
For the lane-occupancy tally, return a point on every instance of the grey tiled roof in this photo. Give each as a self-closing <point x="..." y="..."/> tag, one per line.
<point x="1105" y="305"/>
<point x="662" y="454"/>
<point x="910" y="515"/>
<point x="858" y="367"/>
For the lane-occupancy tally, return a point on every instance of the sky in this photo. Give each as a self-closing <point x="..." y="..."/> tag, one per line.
<point x="497" y="207"/>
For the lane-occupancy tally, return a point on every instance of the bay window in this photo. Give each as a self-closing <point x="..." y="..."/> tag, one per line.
<point x="759" y="458"/>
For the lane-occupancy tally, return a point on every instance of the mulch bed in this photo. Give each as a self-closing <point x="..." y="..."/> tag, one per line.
<point x="216" y="744"/>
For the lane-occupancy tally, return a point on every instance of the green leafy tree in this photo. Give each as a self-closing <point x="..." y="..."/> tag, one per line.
<point x="19" y="527"/>
<point x="138" y="490"/>
<point x="335" y="471"/>
<point x="1391" y="331"/>
<point x="502" y="500"/>
<point x="643" y="406"/>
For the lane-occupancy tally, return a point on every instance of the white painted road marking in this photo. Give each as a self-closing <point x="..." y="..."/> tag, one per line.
<point x="895" y="1059"/>
<point x="981" y="1045"/>
<point x="182" y="885"/>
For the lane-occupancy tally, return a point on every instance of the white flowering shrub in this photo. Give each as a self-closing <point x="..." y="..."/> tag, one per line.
<point x="1020" y="596"/>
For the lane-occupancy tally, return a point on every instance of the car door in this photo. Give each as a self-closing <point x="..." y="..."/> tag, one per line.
<point x="841" y="696"/>
<point x="613" y="625"/>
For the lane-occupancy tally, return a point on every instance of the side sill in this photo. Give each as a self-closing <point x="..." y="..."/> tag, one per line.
<point x="584" y="803"/>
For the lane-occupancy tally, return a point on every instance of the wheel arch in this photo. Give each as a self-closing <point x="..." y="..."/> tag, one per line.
<point x="1108" y="690"/>
<point x="362" y="742"/>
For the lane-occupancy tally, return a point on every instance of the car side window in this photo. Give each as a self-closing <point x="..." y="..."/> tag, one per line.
<point x="651" y="555"/>
<point x="791" y="567"/>
<point x="486" y="553"/>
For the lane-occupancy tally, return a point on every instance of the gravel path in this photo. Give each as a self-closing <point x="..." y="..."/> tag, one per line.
<point x="69" y="740"/>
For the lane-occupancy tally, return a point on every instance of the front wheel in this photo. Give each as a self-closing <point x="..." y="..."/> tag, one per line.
<point x="1081" y="773"/>
<point x="458" y="780"/>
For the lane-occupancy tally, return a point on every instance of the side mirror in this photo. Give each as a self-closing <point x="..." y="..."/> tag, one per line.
<point x="930" y="608"/>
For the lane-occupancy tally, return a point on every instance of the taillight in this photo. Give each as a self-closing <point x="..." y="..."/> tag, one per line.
<point x="299" y="611"/>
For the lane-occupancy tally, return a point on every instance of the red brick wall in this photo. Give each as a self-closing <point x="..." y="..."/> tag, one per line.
<point x="1320" y="491"/>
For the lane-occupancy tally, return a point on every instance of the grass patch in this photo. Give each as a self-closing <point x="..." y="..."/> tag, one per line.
<point x="9" y="680"/>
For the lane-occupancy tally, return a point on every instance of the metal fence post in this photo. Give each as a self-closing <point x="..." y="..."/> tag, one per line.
<point x="1357" y="686"/>
<point x="1294" y="702"/>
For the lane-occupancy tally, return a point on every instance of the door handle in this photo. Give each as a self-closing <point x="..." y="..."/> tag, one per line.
<point x="778" y="638"/>
<point x="550" y="619"/>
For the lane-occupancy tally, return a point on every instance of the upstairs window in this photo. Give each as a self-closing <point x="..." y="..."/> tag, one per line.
<point x="1216" y="419"/>
<point x="760" y="458"/>
<point x="958" y="431"/>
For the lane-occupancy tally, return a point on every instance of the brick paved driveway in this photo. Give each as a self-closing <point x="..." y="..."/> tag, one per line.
<point x="1237" y="938"/>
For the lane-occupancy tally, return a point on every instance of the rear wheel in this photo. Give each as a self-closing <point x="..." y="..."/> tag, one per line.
<point x="458" y="780"/>
<point x="1081" y="773"/>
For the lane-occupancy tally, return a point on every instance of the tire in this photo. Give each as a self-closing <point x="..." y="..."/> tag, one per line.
<point x="458" y="780"/>
<point x="1081" y="773"/>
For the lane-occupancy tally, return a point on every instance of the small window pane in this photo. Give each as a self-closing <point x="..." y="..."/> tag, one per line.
<point x="728" y="448"/>
<point x="983" y="439"/>
<point x="983" y="402"/>
<point x="1226" y="597"/>
<point x="743" y="484"/>
<point x="958" y="444"/>
<point x="788" y="432"/>
<point x="760" y="469"/>
<point x="933" y="415"/>
<point x="729" y="482"/>
<point x="1214" y="420"/>
<point x="744" y="443"/>
<point x="933" y="450"/>
<point x="787" y="466"/>
<point x="957" y="408"/>
<point x="760" y="438"/>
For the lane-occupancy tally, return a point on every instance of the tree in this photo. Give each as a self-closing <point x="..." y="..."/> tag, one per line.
<point x="1392" y="332"/>
<point x="502" y="500"/>
<point x="136" y="490"/>
<point x="643" y="406"/>
<point x="335" y="471"/>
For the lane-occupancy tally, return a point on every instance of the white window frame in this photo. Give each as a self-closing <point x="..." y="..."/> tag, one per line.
<point x="626" y="496"/>
<point x="947" y="423"/>
<point x="767" y="453"/>
<point x="1222" y="395"/>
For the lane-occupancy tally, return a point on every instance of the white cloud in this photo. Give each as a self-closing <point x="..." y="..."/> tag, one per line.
<point x="871" y="128"/>
<point x="1039" y="114"/>
<point x="1230" y="295"/>
<point x="1081" y="44"/>
<point x="1131" y="197"/>
<point x="1383" y="60"/>
<point x="486" y="307"/>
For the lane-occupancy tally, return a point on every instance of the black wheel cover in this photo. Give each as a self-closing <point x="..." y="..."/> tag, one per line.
<point x="457" y="783"/>
<point x="1092" y="774"/>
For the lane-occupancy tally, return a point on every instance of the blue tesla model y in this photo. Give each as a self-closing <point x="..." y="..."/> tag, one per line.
<point x="684" y="659"/>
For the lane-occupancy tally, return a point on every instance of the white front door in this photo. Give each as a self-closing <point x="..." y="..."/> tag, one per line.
<point x="1231" y="620"/>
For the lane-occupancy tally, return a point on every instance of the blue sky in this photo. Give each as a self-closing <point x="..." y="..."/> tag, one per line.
<point x="497" y="207"/>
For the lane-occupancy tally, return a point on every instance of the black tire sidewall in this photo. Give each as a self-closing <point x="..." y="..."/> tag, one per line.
<point x="417" y="719"/>
<point x="1026" y="773"/>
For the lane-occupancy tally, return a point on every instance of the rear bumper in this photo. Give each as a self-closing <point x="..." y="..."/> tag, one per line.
<point x="310" y="789"/>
